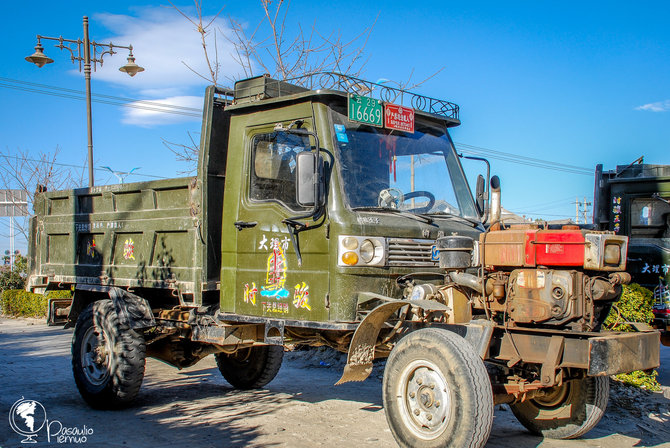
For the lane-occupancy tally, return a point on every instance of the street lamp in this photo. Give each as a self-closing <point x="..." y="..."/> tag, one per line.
<point x="93" y="52"/>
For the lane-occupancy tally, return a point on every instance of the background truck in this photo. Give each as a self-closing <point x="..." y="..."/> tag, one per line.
<point x="634" y="200"/>
<point x="322" y="217"/>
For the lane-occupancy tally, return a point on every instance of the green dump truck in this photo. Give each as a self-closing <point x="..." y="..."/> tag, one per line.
<point x="334" y="211"/>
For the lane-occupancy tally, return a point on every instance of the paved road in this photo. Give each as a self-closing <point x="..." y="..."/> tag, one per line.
<point x="300" y="408"/>
<point x="664" y="372"/>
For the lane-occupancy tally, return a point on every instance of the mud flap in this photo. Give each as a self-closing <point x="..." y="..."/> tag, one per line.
<point x="131" y="309"/>
<point x="362" y="348"/>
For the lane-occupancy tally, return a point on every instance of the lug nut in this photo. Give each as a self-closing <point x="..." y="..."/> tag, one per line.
<point x="419" y="381"/>
<point x="429" y="417"/>
<point x="412" y="395"/>
<point x="432" y="386"/>
<point x="416" y="412"/>
<point x="437" y="404"/>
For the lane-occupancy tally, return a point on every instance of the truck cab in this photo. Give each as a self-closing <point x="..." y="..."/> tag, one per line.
<point x="388" y="196"/>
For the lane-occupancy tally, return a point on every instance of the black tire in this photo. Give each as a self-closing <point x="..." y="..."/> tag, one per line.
<point x="437" y="392"/>
<point x="251" y="368"/>
<point x="567" y="411"/>
<point x="107" y="357"/>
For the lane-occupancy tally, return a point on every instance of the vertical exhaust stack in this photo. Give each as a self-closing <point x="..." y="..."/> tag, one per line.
<point x="495" y="201"/>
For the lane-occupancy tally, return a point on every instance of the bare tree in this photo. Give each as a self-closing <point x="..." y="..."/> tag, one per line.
<point x="275" y="48"/>
<point x="185" y="153"/>
<point x="272" y="49"/>
<point x="204" y="30"/>
<point x="32" y="174"/>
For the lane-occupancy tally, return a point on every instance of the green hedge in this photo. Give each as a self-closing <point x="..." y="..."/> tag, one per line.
<point x="635" y="305"/>
<point x="17" y="302"/>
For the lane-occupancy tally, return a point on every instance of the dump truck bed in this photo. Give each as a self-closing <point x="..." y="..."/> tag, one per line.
<point x="138" y="235"/>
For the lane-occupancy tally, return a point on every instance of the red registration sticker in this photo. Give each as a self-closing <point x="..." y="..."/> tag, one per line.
<point x="399" y="117"/>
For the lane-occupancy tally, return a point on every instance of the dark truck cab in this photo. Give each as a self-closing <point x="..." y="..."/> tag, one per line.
<point x="634" y="200"/>
<point x="334" y="211"/>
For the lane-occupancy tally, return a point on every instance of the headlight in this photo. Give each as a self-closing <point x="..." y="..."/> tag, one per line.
<point x="367" y="251"/>
<point x="361" y="251"/>
<point x="612" y="254"/>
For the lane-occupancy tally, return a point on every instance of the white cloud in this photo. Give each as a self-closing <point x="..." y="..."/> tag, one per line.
<point x="163" y="42"/>
<point x="659" y="106"/>
<point x="153" y="112"/>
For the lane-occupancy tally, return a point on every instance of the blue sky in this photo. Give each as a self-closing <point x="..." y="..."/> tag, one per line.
<point x="576" y="83"/>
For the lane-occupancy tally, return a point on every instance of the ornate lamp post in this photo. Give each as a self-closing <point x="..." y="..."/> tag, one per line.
<point x="93" y="52"/>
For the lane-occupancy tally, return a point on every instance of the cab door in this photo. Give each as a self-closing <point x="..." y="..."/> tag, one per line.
<point x="267" y="278"/>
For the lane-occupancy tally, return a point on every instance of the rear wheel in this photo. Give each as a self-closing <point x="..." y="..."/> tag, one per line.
<point x="251" y="368"/>
<point x="567" y="411"/>
<point x="437" y="392"/>
<point x="107" y="357"/>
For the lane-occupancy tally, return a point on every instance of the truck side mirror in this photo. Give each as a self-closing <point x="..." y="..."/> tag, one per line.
<point x="306" y="177"/>
<point x="480" y="198"/>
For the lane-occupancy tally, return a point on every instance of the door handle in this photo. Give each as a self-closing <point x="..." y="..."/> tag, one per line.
<point x="245" y="224"/>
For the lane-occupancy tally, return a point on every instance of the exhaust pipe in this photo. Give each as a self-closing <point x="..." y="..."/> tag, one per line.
<point x="495" y="200"/>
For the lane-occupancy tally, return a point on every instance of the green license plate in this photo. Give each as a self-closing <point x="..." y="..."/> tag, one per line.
<point x="366" y="110"/>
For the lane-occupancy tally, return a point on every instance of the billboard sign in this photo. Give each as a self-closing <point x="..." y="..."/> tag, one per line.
<point x="13" y="203"/>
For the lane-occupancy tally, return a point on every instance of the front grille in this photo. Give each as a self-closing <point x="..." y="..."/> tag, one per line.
<point x="410" y="252"/>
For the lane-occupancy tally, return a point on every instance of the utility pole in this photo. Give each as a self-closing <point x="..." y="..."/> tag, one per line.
<point x="586" y="209"/>
<point x="576" y="210"/>
<point x="581" y="208"/>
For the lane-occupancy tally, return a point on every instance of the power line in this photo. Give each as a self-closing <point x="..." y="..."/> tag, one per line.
<point x="67" y="165"/>
<point x="113" y="103"/>
<point x="549" y="203"/>
<point x="120" y="98"/>
<point x="523" y="160"/>
<point x="103" y="99"/>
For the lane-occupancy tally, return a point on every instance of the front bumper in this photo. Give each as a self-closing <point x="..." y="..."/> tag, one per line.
<point x="604" y="353"/>
<point x="616" y="353"/>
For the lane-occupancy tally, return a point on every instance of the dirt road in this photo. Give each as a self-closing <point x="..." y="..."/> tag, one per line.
<point x="300" y="408"/>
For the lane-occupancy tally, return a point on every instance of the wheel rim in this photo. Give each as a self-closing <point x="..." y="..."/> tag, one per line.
<point x="425" y="399"/>
<point x="95" y="356"/>
<point x="554" y="397"/>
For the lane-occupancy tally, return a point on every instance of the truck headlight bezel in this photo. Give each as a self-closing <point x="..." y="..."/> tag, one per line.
<point x="361" y="251"/>
<point x="605" y="252"/>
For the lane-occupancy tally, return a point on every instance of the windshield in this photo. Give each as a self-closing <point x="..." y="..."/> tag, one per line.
<point x="415" y="172"/>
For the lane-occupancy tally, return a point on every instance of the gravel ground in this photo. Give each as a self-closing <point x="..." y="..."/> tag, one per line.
<point x="300" y="408"/>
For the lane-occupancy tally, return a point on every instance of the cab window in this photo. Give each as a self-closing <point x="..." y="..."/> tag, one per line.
<point x="273" y="164"/>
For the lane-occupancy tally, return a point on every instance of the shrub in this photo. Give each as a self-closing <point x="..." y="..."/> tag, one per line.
<point x="17" y="302"/>
<point x="16" y="278"/>
<point x="635" y="305"/>
<point x="59" y="294"/>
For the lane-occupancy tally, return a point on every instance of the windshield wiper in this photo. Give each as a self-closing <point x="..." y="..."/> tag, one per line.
<point x="445" y="215"/>
<point x="422" y="218"/>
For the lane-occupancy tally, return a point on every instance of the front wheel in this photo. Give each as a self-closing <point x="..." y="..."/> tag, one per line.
<point x="567" y="411"/>
<point x="437" y="392"/>
<point x="252" y="367"/>
<point x="107" y="357"/>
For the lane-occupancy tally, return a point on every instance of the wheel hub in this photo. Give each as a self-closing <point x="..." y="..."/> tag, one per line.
<point x="95" y="356"/>
<point x="426" y="400"/>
